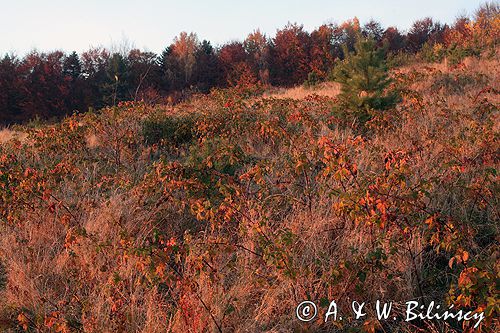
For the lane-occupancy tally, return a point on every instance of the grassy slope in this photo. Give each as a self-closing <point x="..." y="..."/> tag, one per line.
<point x="226" y="212"/>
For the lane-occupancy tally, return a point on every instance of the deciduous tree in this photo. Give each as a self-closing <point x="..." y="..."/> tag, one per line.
<point x="290" y="55"/>
<point x="257" y="48"/>
<point x="322" y="57"/>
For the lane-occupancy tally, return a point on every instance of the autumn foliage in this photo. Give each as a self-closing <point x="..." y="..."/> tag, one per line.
<point x="54" y="84"/>
<point x="225" y="210"/>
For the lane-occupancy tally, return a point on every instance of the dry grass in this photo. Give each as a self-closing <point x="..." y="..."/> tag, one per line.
<point x="327" y="89"/>
<point x="87" y="249"/>
<point x="485" y="65"/>
<point x="7" y="134"/>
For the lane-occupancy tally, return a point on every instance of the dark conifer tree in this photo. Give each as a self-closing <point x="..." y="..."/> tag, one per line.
<point x="172" y="77"/>
<point x="11" y="91"/>
<point x="207" y="72"/>
<point x="94" y="66"/>
<point x="72" y="70"/>
<point x="72" y="66"/>
<point x="117" y="87"/>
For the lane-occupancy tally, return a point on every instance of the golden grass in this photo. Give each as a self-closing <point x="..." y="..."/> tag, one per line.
<point x="7" y="134"/>
<point x="82" y="254"/>
<point x="328" y="89"/>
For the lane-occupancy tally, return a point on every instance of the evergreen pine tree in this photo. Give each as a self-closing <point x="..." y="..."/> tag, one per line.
<point x="72" y="70"/>
<point x="170" y="71"/>
<point x="207" y="73"/>
<point x="72" y="66"/>
<point x="365" y="79"/>
<point x="11" y="91"/>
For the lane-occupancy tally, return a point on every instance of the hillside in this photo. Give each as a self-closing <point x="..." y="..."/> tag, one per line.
<point x="224" y="212"/>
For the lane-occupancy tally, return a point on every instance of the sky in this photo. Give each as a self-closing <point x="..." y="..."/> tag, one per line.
<point x="76" y="25"/>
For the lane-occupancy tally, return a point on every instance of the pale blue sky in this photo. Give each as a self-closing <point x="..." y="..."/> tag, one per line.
<point x="152" y="24"/>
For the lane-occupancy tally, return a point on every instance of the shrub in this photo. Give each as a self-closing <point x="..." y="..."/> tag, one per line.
<point x="457" y="83"/>
<point x="272" y="201"/>
<point x="398" y="59"/>
<point x="172" y="130"/>
<point x="432" y="52"/>
<point x="456" y="54"/>
<point x="313" y="80"/>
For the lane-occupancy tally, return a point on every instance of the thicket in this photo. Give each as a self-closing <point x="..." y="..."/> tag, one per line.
<point x="224" y="212"/>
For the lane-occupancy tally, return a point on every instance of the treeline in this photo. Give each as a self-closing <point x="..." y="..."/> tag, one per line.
<point x="49" y="85"/>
